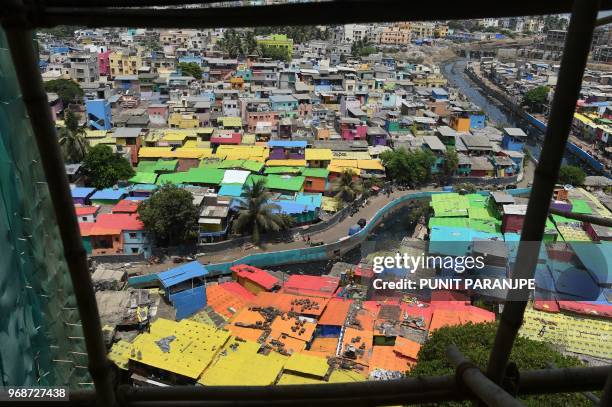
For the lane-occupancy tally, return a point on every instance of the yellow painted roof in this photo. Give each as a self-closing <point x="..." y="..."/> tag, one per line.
<point x="286" y="163"/>
<point x="343" y="163"/>
<point x="155" y="152"/>
<point x="370" y="165"/>
<point x="194" y="347"/>
<point x="95" y="133"/>
<point x="306" y="364"/>
<point x="318" y="154"/>
<point x="191" y="144"/>
<point x="230" y="121"/>
<point x="579" y="334"/>
<point x="352" y="155"/>
<point x="334" y="168"/>
<point x="240" y="364"/>
<point x="345" y="376"/>
<point x="329" y="204"/>
<point x="288" y="378"/>
<point x="248" y="139"/>
<point x="583" y="119"/>
<point x="242" y="152"/>
<point x="120" y="353"/>
<point x="174" y="137"/>
<point x="185" y="152"/>
<point x="104" y="140"/>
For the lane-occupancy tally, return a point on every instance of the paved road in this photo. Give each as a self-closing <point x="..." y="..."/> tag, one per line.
<point x="326" y="236"/>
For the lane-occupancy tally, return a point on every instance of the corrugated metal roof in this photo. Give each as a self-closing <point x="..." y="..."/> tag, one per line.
<point x="182" y="273"/>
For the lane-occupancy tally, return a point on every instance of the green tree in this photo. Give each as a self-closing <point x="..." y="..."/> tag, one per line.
<point x="536" y="98"/>
<point x="346" y="188"/>
<point x="570" y="174"/>
<point x="257" y="215"/>
<point x="72" y="138"/>
<point x="413" y="167"/>
<point x="249" y="43"/>
<point x="104" y="168"/>
<point x="451" y="162"/>
<point x="191" y="69"/>
<point x="170" y="216"/>
<point x="468" y="187"/>
<point x="276" y="53"/>
<point x="362" y="48"/>
<point x="67" y="90"/>
<point x="231" y="43"/>
<point x="475" y="342"/>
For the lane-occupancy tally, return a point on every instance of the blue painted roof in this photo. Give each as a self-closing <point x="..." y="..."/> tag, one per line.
<point x="596" y="258"/>
<point x="82" y="192"/>
<point x="135" y="198"/>
<point x="575" y="284"/>
<point x="287" y="143"/>
<point x="144" y="187"/>
<point x="230" y="190"/>
<point x="313" y="201"/>
<point x="182" y="273"/>
<point x="290" y="207"/>
<point x="109" y="193"/>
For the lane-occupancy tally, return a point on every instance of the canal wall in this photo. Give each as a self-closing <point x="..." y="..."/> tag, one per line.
<point x="331" y="250"/>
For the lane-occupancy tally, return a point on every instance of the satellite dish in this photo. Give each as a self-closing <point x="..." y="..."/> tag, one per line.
<point x="567" y="187"/>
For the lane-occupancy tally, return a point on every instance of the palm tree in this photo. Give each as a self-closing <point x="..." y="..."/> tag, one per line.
<point x="72" y="139"/>
<point x="346" y="188"/>
<point x="257" y="215"/>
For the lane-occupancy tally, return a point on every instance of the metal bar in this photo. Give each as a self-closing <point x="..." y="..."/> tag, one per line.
<point x="542" y="381"/>
<point x="573" y="63"/>
<point x="480" y="385"/>
<point x="331" y="12"/>
<point x="127" y="3"/>
<point x="606" y="397"/>
<point x="596" y="220"/>
<point x="34" y="97"/>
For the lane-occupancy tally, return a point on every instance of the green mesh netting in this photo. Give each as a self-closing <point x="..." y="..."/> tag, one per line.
<point x="41" y="339"/>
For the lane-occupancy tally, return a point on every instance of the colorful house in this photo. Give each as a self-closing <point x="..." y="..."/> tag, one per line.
<point x="316" y="179"/>
<point x="108" y="196"/>
<point x="513" y="139"/>
<point x="81" y="195"/>
<point x="287" y="149"/>
<point x="353" y="129"/>
<point x="253" y="279"/>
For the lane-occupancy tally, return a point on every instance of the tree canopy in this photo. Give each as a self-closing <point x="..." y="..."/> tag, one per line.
<point x="413" y="167"/>
<point x="170" y="216"/>
<point x="536" y="98"/>
<point x="298" y="34"/>
<point x="570" y="174"/>
<point x="362" y="48"/>
<point x="72" y="138"/>
<point x="191" y="69"/>
<point x="104" y="168"/>
<point x="475" y="341"/>
<point x="257" y="215"/>
<point x="279" y="53"/>
<point x="67" y="90"/>
<point x="346" y="187"/>
<point x="451" y="162"/>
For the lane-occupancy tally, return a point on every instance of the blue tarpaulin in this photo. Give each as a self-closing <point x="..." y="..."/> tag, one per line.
<point x="182" y="273"/>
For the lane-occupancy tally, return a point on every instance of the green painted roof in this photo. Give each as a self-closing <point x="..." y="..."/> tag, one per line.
<point x="315" y="172"/>
<point x="449" y="205"/>
<point x="487" y="226"/>
<point x="477" y="200"/>
<point x="146" y="166"/>
<point x="254" y="166"/>
<point x="285" y="182"/>
<point x="209" y="164"/>
<point x="173" y="178"/>
<point x="449" y="222"/>
<point x="201" y="175"/>
<point x="166" y="165"/>
<point x="283" y="170"/>
<point x="479" y="213"/>
<point x="580" y="206"/>
<point x="230" y="164"/>
<point x="253" y="178"/>
<point x="144" y="178"/>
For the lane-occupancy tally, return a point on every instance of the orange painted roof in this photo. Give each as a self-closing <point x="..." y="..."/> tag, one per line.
<point x="238" y="290"/>
<point x="291" y="344"/>
<point x="289" y="302"/>
<point x="406" y="347"/>
<point x="248" y="334"/>
<point x="86" y="210"/>
<point x="301" y="330"/>
<point x="323" y="347"/>
<point x="444" y="317"/>
<point x="383" y="357"/>
<point x="317" y="286"/>
<point x="366" y="319"/>
<point x="365" y="337"/>
<point x="221" y="300"/>
<point x="335" y="312"/>
<point x="246" y="316"/>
